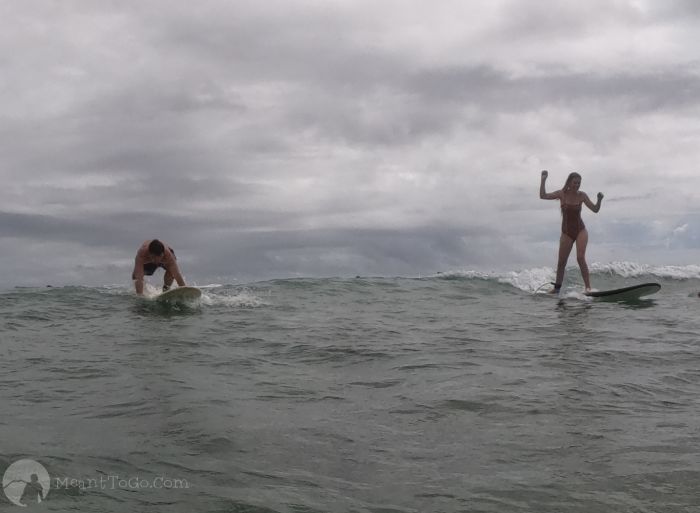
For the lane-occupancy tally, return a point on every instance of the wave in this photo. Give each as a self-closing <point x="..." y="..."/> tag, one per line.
<point x="603" y="275"/>
<point x="615" y="274"/>
<point x="212" y="295"/>
<point x="635" y="270"/>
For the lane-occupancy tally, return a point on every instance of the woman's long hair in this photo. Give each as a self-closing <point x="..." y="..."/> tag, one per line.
<point x="569" y="179"/>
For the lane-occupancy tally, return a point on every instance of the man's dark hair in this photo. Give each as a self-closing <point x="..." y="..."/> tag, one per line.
<point x="156" y="247"/>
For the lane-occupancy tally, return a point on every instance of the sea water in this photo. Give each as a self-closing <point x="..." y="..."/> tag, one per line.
<point x="456" y="392"/>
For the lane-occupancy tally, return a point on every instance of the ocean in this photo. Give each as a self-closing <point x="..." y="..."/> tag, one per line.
<point x="458" y="392"/>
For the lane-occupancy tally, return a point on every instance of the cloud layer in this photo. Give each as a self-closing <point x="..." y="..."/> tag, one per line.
<point x="343" y="137"/>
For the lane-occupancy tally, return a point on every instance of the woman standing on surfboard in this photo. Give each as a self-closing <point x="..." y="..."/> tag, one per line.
<point x="572" y="227"/>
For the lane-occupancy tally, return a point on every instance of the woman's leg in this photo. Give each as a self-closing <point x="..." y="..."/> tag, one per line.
<point x="565" y="245"/>
<point x="581" y="243"/>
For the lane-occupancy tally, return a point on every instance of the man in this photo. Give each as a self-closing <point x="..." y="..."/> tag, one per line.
<point x="152" y="255"/>
<point x="33" y="491"/>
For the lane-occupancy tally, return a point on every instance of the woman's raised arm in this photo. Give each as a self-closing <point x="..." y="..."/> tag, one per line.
<point x="543" y="193"/>
<point x="589" y="203"/>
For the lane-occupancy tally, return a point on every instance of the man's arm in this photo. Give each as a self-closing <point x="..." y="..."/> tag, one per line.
<point x="137" y="275"/>
<point x="175" y="271"/>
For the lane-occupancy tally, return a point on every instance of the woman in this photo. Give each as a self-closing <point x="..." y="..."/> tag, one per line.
<point x="572" y="227"/>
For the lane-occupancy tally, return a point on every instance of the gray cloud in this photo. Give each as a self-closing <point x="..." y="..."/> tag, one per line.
<point x="341" y="138"/>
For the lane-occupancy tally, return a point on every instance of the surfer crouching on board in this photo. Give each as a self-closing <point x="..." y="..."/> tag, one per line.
<point x="151" y="255"/>
<point x="572" y="227"/>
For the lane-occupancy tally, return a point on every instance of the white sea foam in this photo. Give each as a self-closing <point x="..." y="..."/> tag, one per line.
<point x="634" y="270"/>
<point x="532" y="280"/>
<point x="239" y="298"/>
<point x="529" y="280"/>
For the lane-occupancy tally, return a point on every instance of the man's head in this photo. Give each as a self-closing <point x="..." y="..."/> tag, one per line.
<point x="156" y="248"/>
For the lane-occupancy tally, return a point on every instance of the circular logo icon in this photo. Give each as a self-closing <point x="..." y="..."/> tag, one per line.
<point x="26" y="482"/>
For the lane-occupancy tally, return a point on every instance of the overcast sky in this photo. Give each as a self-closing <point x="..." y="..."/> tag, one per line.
<point x="340" y="137"/>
